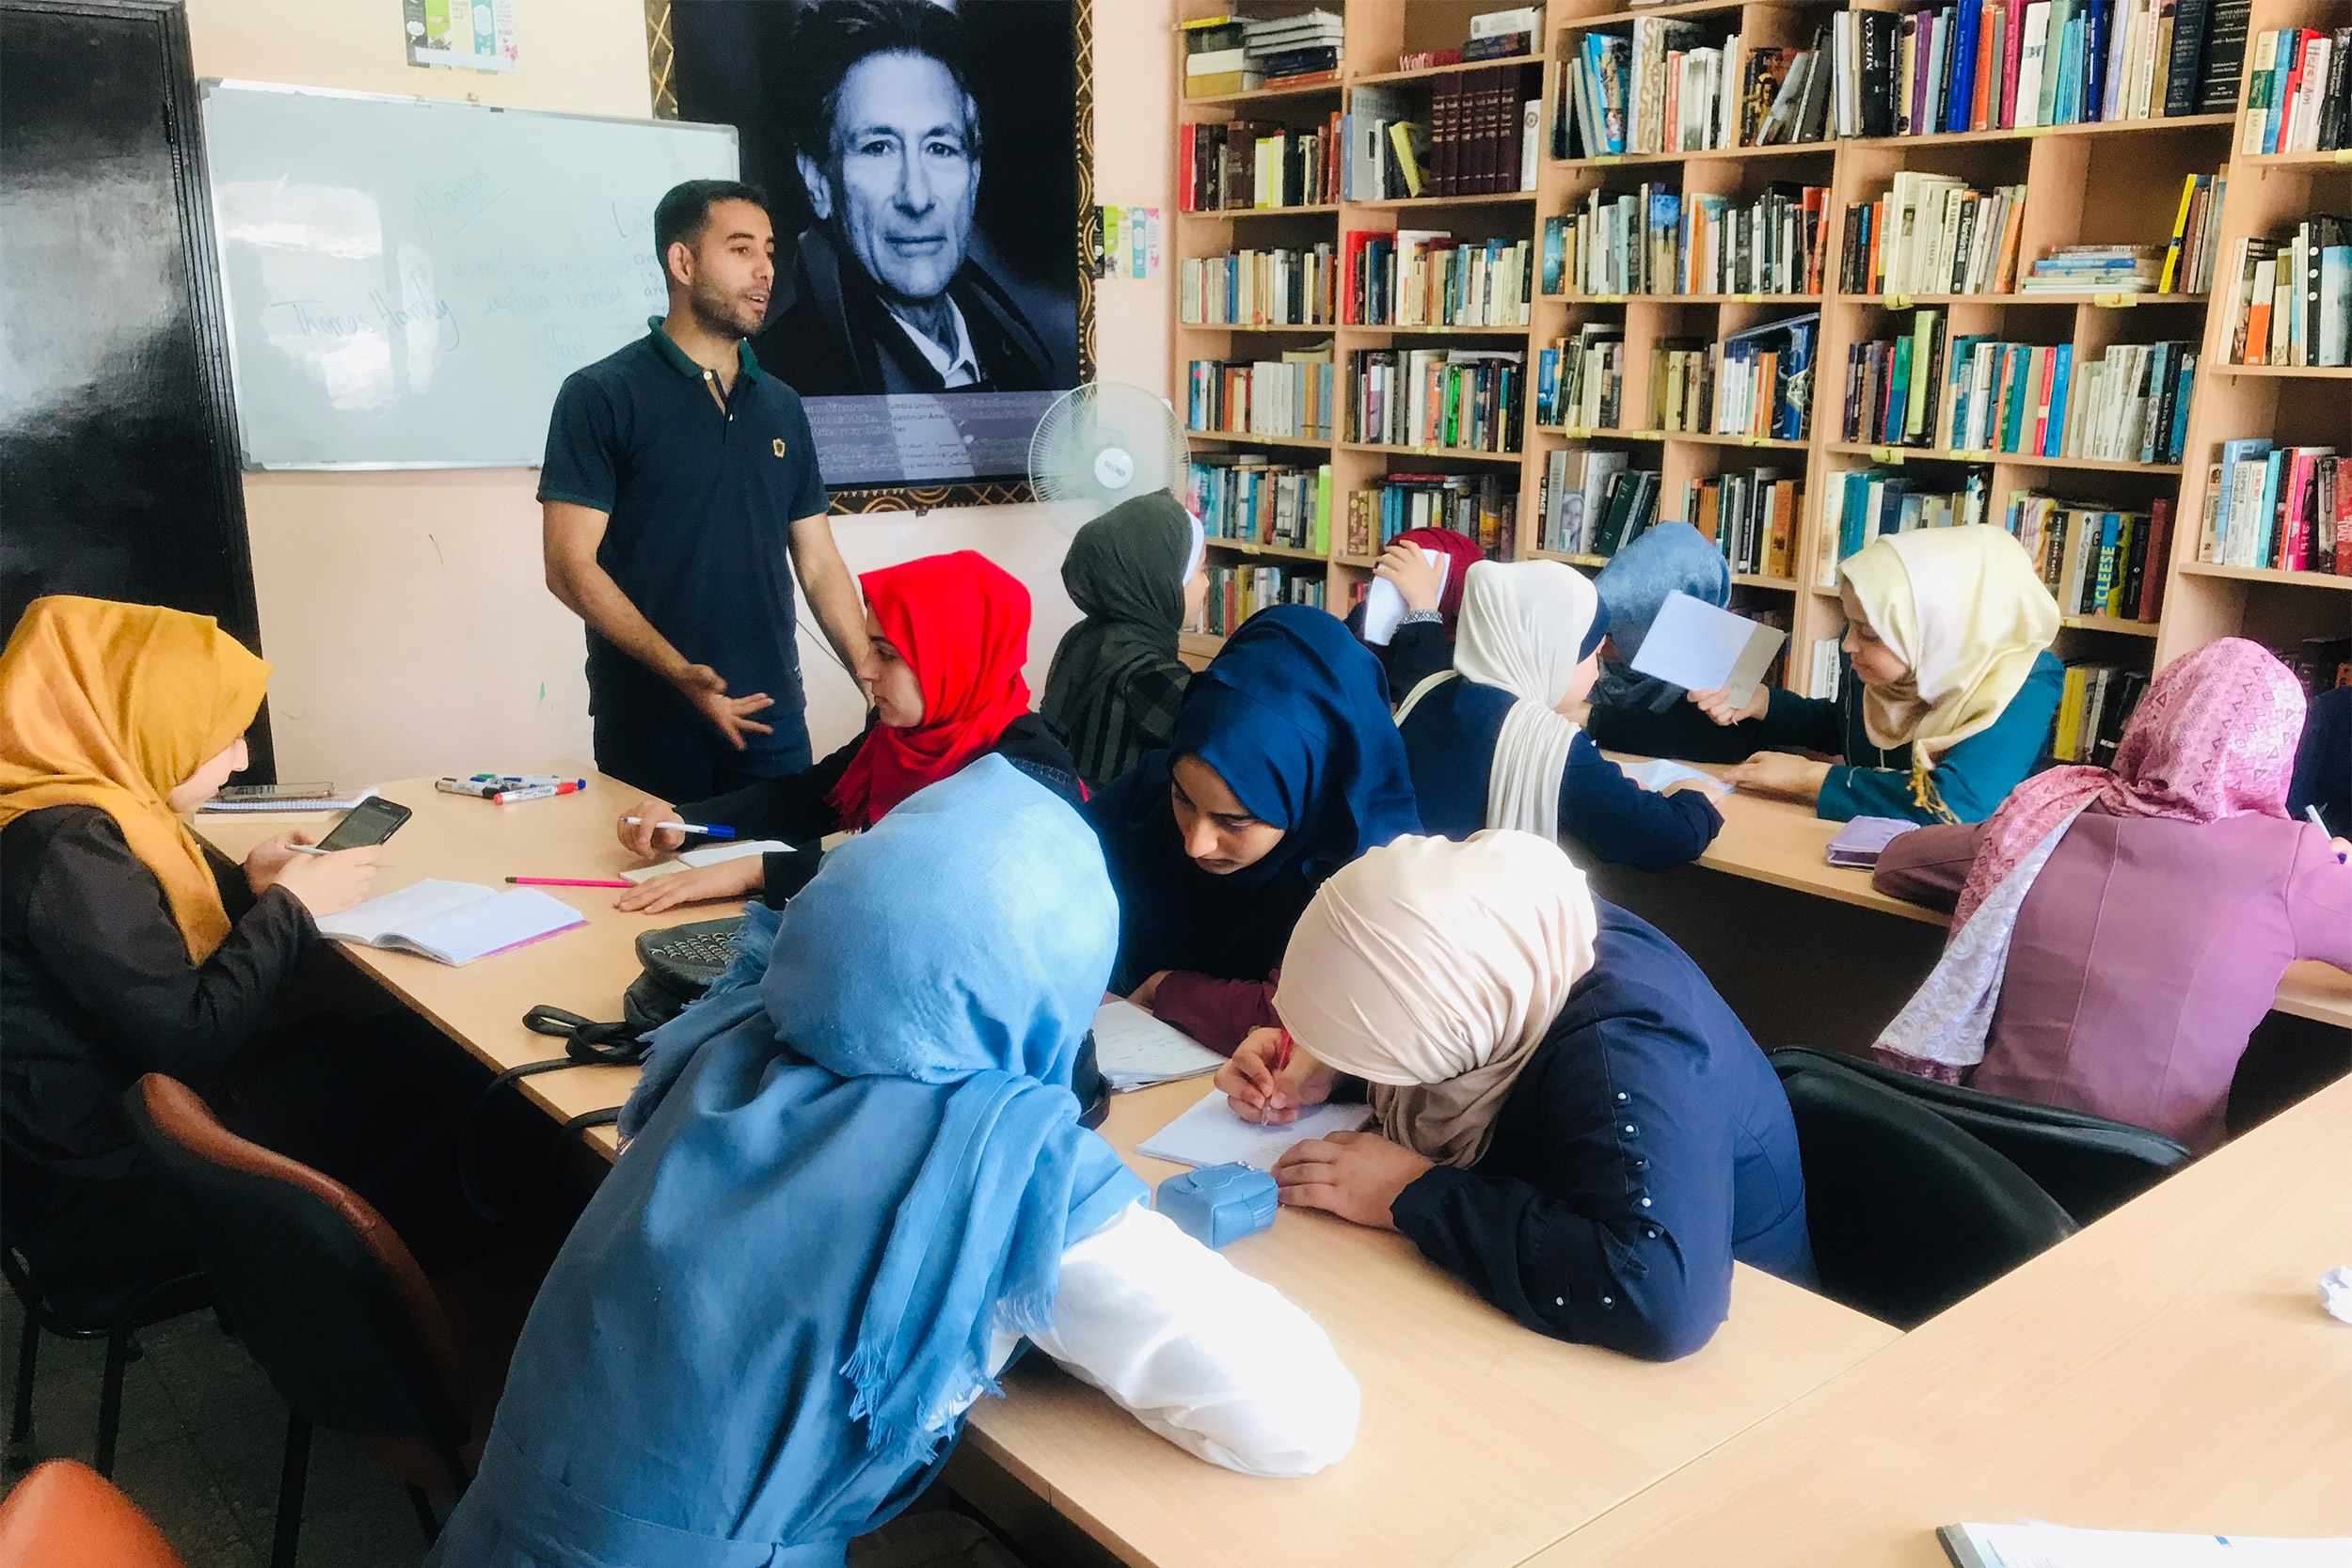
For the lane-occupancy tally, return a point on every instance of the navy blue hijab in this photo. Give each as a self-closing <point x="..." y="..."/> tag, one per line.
<point x="1293" y="715"/>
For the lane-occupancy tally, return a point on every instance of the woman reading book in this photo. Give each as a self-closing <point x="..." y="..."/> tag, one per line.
<point x="1137" y="576"/>
<point x="1568" y="1116"/>
<point x="1948" y="693"/>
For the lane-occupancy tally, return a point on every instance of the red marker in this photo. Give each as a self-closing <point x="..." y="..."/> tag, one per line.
<point x="567" y="882"/>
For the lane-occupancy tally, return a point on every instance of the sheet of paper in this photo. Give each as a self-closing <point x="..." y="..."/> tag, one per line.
<point x="1137" y="1051"/>
<point x="1657" y="774"/>
<point x="1210" y="1134"/>
<point x="377" y="918"/>
<point x="477" y="929"/>
<point x="2054" y="1546"/>
<point x="1384" y="607"/>
<point x="1701" y="648"/>
<point x="709" y="854"/>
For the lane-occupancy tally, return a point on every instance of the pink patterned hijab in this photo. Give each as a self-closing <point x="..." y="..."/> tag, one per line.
<point x="2214" y="738"/>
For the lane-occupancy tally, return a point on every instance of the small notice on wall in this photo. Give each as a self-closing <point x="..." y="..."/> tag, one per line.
<point x="460" y="34"/>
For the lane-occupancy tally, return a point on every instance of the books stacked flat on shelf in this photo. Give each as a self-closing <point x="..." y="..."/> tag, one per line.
<point x="1295" y="51"/>
<point x="2129" y="405"/>
<point x="1982" y="65"/>
<point x="1468" y="400"/>
<point x="1860" y="504"/>
<point x="1289" y="397"/>
<point x="2290" y="301"/>
<point x="1238" y="593"/>
<point x="2300" y="98"/>
<point x="1752" y="518"/>
<point x="1249" y="499"/>
<point x="1480" y="132"/>
<point x="2288" y="508"/>
<point x="2189" y="254"/>
<point x="1656" y="240"/>
<point x="1222" y="168"/>
<point x="2095" y="560"/>
<point x="1579" y="381"/>
<point x="1484" y="507"/>
<point x="1933" y="234"/>
<point x="1216" y="58"/>
<point x="2094" y="706"/>
<point x="1890" y="385"/>
<point x="2103" y="269"/>
<point x="1428" y="277"/>
<point x="1260" y="288"/>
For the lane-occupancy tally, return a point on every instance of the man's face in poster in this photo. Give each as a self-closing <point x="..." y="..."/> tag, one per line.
<point x="901" y="175"/>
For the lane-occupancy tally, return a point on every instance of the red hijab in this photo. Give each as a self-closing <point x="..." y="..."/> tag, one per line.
<point x="1462" y="553"/>
<point x="962" y="622"/>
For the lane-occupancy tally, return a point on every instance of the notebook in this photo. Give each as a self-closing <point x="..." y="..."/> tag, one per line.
<point x="452" y="923"/>
<point x="303" y="803"/>
<point x="709" y="854"/>
<point x="1384" y="607"/>
<point x="1701" y="648"/>
<point x="2054" y="1546"/>
<point x="1858" y="843"/>
<point x="1657" y="774"/>
<point x="1137" y="1051"/>
<point x="1210" y="1134"/>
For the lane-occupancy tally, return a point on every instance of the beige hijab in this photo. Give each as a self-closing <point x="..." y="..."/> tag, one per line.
<point x="1432" y="970"/>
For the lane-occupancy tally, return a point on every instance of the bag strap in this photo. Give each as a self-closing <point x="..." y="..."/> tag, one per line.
<point x="586" y="1043"/>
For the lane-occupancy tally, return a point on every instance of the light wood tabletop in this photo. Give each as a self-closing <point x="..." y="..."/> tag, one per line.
<point x="1482" y="1441"/>
<point x="2168" y="1368"/>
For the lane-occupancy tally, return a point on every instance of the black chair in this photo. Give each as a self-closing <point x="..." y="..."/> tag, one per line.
<point x="1907" y="1212"/>
<point x="328" y="1299"/>
<point x="2090" y="1164"/>
<point x="113" y="1310"/>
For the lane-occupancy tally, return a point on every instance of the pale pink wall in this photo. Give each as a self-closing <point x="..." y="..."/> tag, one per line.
<point x="405" y="613"/>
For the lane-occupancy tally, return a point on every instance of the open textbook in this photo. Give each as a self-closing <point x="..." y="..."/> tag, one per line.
<point x="452" y="923"/>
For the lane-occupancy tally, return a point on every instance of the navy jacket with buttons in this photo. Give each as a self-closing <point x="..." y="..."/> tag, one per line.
<point x="1646" y="1147"/>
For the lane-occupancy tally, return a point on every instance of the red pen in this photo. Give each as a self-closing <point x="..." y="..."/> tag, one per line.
<point x="1282" y="1049"/>
<point x="568" y="881"/>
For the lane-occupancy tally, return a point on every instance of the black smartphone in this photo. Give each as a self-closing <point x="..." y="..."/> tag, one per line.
<point x="371" y="821"/>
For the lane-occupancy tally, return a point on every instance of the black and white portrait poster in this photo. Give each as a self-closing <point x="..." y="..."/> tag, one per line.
<point x="920" y="159"/>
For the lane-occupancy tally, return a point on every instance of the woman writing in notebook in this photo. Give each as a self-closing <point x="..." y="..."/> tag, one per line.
<point x="2117" y="934"/>
<point x="857" y="1183"/>
<point x="1643" y="714"/>
<point x="1490" y="745"/>
<point x="1283" y="766"/>
<point x="1569" y="1116"/>
<point x="1948" y="692"/>
<point x="946" y="635"/>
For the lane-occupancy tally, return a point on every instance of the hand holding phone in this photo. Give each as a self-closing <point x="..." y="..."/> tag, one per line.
<point x="371" y="821"/>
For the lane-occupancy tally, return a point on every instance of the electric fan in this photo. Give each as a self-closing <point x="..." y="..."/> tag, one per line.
<point x="1101" y="443"/>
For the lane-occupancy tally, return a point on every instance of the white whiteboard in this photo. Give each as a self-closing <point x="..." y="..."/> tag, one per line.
<point x="409" y="279"/>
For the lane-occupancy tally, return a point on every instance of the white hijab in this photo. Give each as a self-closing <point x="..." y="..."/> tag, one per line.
<point x="1522" y="628"/>
<point x="1432" y="970"/>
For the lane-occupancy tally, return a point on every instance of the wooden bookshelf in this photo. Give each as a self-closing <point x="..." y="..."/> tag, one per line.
<point x="2091" y="184"/>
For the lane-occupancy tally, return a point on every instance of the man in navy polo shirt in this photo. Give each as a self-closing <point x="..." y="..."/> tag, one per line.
<point x="680" y="493"/>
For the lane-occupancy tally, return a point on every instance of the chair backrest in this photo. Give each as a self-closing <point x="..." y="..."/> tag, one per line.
<point x="1908" y="1213"/>
<point x="322" y="1292"/>
<point x="2090" y="1163"/>
<point x="65" y="1514"/>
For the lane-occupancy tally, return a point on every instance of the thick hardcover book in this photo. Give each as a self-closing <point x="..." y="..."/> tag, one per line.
<point x="2225" y="56"/>
<point x="2191" y="21"/>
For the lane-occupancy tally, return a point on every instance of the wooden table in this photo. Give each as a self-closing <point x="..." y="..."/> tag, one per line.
<point x="2167" y="1370"/>
<point x="1481" y="1442"/>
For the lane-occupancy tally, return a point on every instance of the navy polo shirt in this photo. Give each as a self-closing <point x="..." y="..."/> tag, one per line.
<point x="702" y="488"/>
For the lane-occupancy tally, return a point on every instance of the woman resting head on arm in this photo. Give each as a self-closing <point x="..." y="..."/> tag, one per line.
<point x="1283" y="766"/>
<point x="1947" y="635"/>
<point x="1136" y="574"/>
<point x="856" y="1179"/>
<point x="1568" y="1116"/>
<point x="946" y="636"/>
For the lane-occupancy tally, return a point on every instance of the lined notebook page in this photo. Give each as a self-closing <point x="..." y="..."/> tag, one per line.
<point x="373" y="921"/>
<point x="1210" y="1134"/>
<point x="1136" y="1050"/>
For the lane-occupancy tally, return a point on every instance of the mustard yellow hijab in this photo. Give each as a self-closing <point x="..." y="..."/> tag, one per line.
<point x="116" y="706"/>
<point x="1963" y="608"/>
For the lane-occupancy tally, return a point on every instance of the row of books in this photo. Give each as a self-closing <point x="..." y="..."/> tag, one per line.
<point x="1225" y="54"/>
<point x="1238" y="593"/>
<point x="1673" y="87"/>
<point x="1757" y="382"/>
<point x="1933" y="234"/>
<point x="1860" y="504"/>
<point x="1592" y="502"/>
<point x="1260" y="288"/>
<point x="1222" y="167"/>
<point x="1485" y="507"/>
<point x="2290" y="301"/>
<point x="1467" y="134"/>
<point x="2095" y="560"/>
<point x="2189" y="254"/>
<point x="1982" y="65"/>
<point x="2095" y="705"/>
<point x="1654" y="240"/>
<point x="2285" y="508"/>
<point x="1428" y="277"/>
<point x="1290" y="397"/>
<point x="2300" y="99"/>
<point x="1470" y="399"/>
<point x="1752" y="518"/>
<point x="1581" y="380"/>
<point x="1253" y="499"/>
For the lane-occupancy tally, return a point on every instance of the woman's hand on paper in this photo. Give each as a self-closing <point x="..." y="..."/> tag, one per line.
<point x="1418" y="582"/>
<point x="642" y="838"/>
<point x="1778" y="773"/>
<point x="735" y="878"/>
<point x="1725" y="711"/>
<point x="1259" y="1093"/>
<point x="329" y="884"/>
<point x="1356" y="1176"/>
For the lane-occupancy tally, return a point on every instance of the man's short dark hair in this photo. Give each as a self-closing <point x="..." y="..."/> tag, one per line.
<point x="684" y="212"/>
<point x="832" y="36"/>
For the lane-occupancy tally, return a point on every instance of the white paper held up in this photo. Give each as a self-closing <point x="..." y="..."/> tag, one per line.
<point x="1384" y="607"/>
<point x="1701" y="648"/>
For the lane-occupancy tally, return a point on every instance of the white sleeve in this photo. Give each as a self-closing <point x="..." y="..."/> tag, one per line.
<point x="1221" y="1365"/>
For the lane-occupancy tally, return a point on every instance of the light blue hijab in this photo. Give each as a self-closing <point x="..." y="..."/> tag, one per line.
<point x="1662" y="558"/>
<point x="853" y="1159"/>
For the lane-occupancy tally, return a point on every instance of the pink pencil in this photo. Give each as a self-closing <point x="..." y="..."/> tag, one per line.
<point x="568" y="881"/>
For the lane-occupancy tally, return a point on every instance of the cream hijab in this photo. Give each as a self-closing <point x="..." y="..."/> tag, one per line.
<point x="1963" y="608"/>
<point x="1522" y="628"/>
<point x="1432" y="970"/>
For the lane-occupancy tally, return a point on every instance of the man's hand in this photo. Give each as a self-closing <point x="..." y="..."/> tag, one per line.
<point x="708" y="690"/>
<point x="1356" y="1176"/>
<point x="1778" y="773"/>
<point x="1256" y="1092"/>
<point x="1724" y="711"/>
<point x="737" y="878"/>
